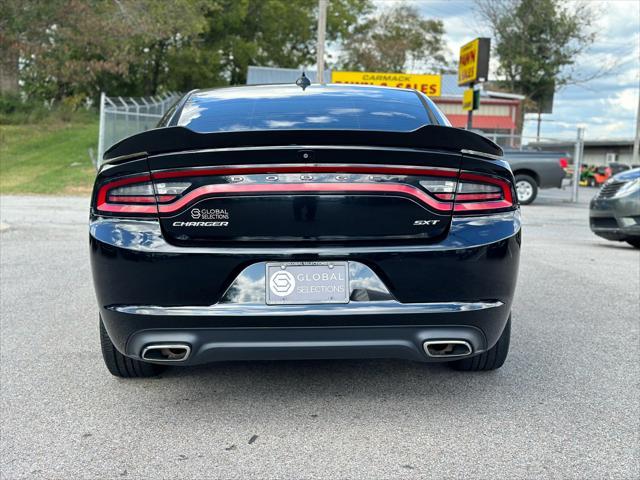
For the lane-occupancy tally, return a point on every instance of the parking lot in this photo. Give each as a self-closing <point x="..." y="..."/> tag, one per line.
<point x="566" y="403"/>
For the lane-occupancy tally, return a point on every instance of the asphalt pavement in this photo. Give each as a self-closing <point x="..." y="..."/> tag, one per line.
<point x="565" y="405"/>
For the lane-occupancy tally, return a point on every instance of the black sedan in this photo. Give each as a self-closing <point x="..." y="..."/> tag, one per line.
<point x="614" y="212"/>
<point x="278" y="222"/>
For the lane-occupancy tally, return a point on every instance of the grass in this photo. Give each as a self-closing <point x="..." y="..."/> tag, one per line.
<point x="49" y="157"/>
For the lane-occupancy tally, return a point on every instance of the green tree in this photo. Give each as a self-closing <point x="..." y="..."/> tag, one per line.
<point x="22" y="32"/>
<point x="83" y="46"/>
<point x="166" y="40"/>
<point x="537" y="43"/>
<point x="73" y="49"/>
<point x="76" y="48"/>
<point x="274" y="32"/>
<point x="396" y="39"/>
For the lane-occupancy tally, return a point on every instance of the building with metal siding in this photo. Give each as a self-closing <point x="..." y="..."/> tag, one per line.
<point x="498" y="113"/>
<point x="271" y="75"/>
<point x="596" y="152"/>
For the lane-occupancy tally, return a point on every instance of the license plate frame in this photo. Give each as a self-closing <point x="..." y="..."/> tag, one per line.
<point x="307" y="283"/>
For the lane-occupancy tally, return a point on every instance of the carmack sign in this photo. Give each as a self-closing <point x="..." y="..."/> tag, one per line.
<point x="427" y="84"/>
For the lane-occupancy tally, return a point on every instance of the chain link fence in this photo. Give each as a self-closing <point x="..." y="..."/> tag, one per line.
<point x="523" y="142"/>
<point x="121" y="117"/>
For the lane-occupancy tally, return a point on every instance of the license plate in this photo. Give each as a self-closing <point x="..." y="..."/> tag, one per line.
<point x="291" y="283"/>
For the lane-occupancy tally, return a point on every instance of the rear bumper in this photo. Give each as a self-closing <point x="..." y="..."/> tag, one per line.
<point x="384" y="330"/>
<point x="152" y="292"/>
<point x="211" y="345"/>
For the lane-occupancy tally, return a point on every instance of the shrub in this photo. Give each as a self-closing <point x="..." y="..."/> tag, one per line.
<point x="15" y="110"/>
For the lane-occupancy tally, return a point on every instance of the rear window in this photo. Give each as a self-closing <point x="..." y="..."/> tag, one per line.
<point x="285" y="108"/>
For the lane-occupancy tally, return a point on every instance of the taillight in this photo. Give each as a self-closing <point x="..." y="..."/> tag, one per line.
<point x="564" y="162"/>
<point x="481" y="193"/>
<point x="137" y="195"/>
<point x="472" y="192"/>
<point x="171" y="188"/>
<point x="441" y="189"/>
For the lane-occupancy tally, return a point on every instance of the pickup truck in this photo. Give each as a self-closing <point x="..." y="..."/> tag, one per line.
<point x="535" y="169"/>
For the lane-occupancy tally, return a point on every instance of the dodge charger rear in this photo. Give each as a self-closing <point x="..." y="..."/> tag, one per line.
<point x="330" y="222"/>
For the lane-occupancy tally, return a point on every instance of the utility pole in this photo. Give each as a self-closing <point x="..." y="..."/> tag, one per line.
<point x="636" y="141"/>
<point x="538" y="130"/>
<point x="322" y="31"/>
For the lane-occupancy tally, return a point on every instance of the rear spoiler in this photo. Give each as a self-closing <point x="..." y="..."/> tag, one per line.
<point x="178" y="139"/>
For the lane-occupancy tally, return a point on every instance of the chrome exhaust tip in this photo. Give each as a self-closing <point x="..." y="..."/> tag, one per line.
<point x="447" y="348"/>
<point x="166" y="353"/>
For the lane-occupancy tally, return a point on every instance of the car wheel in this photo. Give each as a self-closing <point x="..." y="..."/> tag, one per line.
<point x="121" y="366"/>
<point x="492" y="359"/>
<point x="634" y="242"/>
<point x="526" y="189"/>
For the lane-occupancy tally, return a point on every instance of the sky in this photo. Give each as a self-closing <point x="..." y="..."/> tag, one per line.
<point x="606" y="106"/>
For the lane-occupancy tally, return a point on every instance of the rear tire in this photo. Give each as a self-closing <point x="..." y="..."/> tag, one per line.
<point x="492" y="359"/>
<point x="526" y="189"/>
<point x="634" y="242"/>
<point x="121" y="366"/>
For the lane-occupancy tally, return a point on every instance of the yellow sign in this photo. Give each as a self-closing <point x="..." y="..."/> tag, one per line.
<point x="467" y="100"/>
<point x="473" y="64"/>
<point x="428" y="84"/>
<point x="468" y="66"/>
